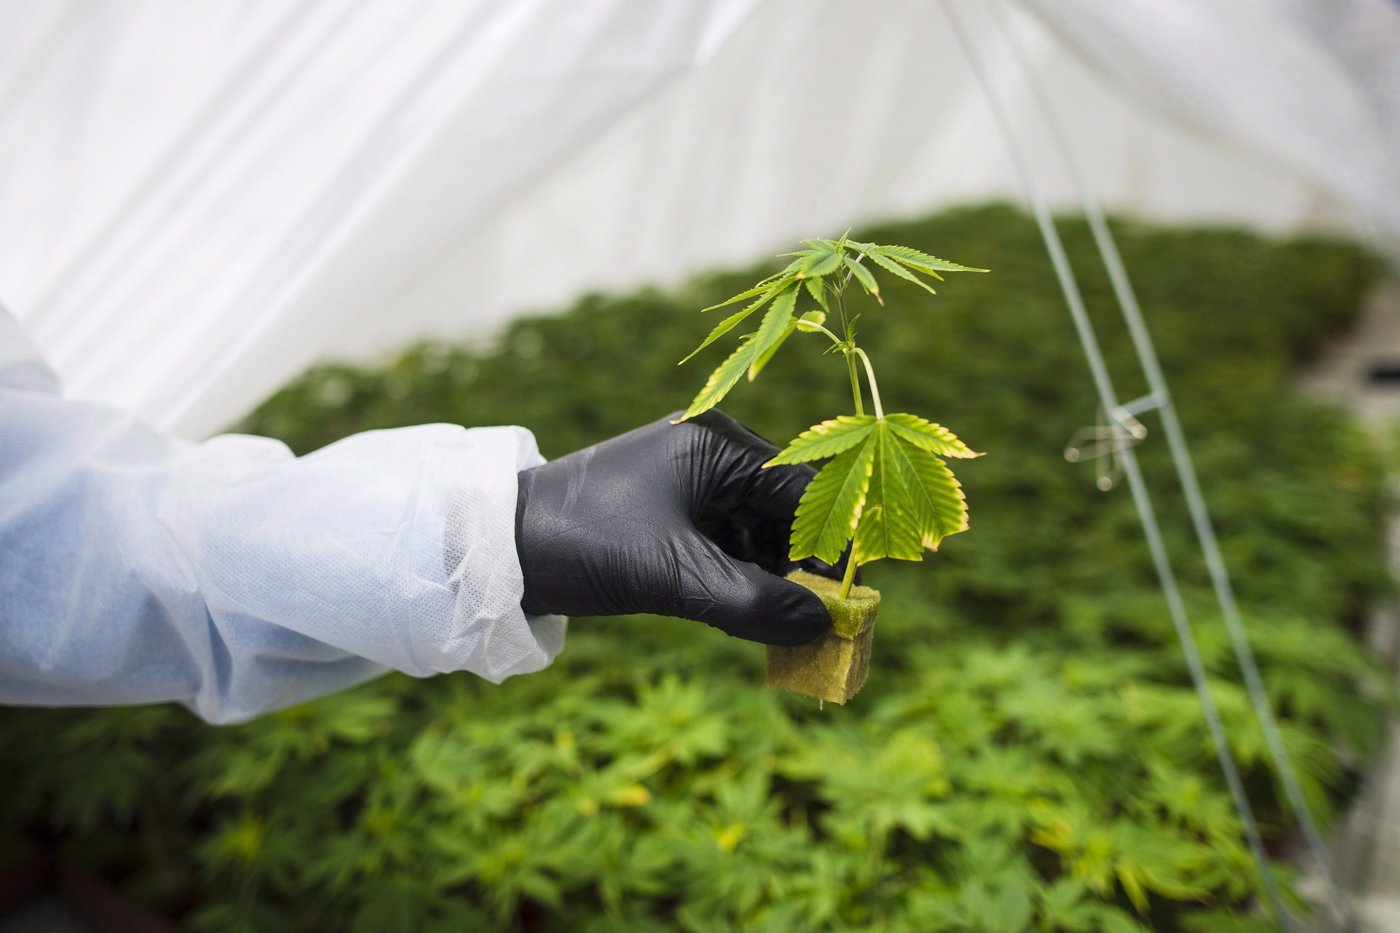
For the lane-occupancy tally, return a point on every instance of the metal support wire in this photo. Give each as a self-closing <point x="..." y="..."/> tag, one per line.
<point x="1160" y="394"/>
<point x="1141" y="497"/>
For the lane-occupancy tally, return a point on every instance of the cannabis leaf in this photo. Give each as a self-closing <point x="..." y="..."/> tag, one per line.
<point x="899" y="260"/>
<point x="889" y="265"/>
<point x="819" y="262"/>
<point x="932" y="437"/>
<point x="830" y="508"/>
<point x="751" y="353"/>
<point x="914" y="501"/>
<point x="888" y="493"/>
<point x="821" y="258"/>
<point x="769" y="287"/>
<point x="915" y="259"/>
<point x="803" y="323"/>
<point x="826" y="439"/>
<point x="889" y="526"/>
<point x="866" y="278"/>
<point x="725" y="326"/>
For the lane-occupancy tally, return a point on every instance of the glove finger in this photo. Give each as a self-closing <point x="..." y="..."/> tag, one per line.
<point x="742" y="599"/>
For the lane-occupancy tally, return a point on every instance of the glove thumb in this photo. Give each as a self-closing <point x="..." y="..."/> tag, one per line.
<point x="744" y="600"/>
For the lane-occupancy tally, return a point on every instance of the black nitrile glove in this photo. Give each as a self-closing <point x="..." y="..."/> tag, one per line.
<point x="670" y="519"/>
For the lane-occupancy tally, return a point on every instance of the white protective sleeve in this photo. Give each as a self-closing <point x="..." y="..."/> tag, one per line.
<point x="237" y="578"/>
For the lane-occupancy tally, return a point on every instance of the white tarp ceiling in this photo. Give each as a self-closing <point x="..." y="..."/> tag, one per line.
<point x="198" y="200"/>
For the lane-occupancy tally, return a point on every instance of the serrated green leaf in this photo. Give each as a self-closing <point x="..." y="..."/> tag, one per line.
<point x="831" y="506"/>
<point x="913" y="503"/>
<point x="938" y="505"/>
<point x="769" y="279"/>
<point x="934" y="438"/>
<point x="776" y="327"/>
<point x="745" y="295"/>
<point x="889" y="265"/>
<point x="818" y="263"/>
<point x="901" y="254"/>
<point x="724" y="327"/>
<point x="923" y="261"/>
<point x="890" y="525"/>
<point x="818" y="292"/>
<point x="790" y="270"/>
<point x="757" y="365"/>
<point x="866" y="280"/>
<point x="826" y="439"/>
<point x="727" y="374"/>
<point x="795" y="324"/>
<point x="721" y="380"/>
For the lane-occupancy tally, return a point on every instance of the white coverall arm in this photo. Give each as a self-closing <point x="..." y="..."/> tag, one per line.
<point x="236" y="578"/>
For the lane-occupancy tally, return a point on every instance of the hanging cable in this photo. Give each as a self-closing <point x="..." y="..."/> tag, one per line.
<point x="1141" y="498"/>
<point x="1186" y="472"/>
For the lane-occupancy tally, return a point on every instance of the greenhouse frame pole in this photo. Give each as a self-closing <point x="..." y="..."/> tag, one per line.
<point x="1180" y="451"/>
<point x="1142" y="499"/>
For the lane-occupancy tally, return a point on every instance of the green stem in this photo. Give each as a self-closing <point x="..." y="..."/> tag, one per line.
<point x="820" y="329"/>
<point x="849" y="342"/>
<point x="870" y="378"/>
<point x="841" y="307"/>
<point x="855" y="382"/>
<point x="850" y="365"/>
<point x="849" y="579"/>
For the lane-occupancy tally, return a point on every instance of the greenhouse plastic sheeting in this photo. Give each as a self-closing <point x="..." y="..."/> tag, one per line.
<point x="201" y="199"/>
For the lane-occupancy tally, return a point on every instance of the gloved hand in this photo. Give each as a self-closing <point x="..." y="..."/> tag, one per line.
<point x="670" y="519"/>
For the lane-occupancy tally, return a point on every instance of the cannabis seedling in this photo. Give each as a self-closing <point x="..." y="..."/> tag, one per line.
<point x="886" y="487"/>
<point x="886" y="490"/>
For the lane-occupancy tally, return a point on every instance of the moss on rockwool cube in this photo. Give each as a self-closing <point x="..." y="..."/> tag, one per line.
<point x="834" y="667"/>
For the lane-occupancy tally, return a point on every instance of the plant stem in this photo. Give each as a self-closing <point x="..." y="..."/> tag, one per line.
<point x="855" y="382"/>
<point x="851" y="351"/>
<point x="849" y="579"/>
<point x="850" y="366"/>
<point x="850" y="341"/>
<point x="841" y="307"/>
<point x="870" y="378"/>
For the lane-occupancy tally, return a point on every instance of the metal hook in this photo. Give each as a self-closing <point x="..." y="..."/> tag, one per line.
<point x="1105" y="441"/>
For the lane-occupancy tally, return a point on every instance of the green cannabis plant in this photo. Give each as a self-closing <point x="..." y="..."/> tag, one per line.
<point x="886" y="490"/>
<point x="1031" y="757"/>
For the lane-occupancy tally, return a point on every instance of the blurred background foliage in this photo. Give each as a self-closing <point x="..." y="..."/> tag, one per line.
<point x="1028" y="752"/>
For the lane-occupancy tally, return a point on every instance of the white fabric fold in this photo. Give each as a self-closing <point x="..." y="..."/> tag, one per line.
<point x="237" y="578"/>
